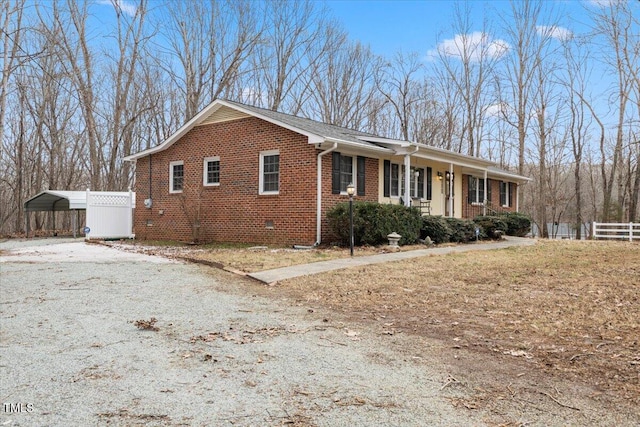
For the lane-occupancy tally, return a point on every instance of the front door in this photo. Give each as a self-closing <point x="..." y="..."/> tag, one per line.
<point x="449" y="194"/>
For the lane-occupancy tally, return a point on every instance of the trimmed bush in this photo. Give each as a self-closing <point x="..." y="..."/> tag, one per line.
<point x="493" y="226"/>
<point x="372" y="222"/>
<point x="436" y="228"/>
<point x="517" y="224"/>
<point x="462" y="230"/>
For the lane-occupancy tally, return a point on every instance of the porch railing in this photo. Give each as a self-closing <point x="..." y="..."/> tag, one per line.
<point x="472" y="210"/>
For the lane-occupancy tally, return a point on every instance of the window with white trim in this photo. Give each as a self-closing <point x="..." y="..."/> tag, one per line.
<point x="176" y="176"/>
<point x="346" y="173"/>
<point x="505" y="194"/>
<point x="395" y="180"/>
<point x="476" y="189"/>
<point x="269" y="180"/>
<point x="211" y="171"/>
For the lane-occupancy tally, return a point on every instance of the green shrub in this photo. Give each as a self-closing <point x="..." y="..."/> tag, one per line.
<point x="462" y="230"/>
<point x="518" y="224"/>
<point x="436" y="228"/>
<point x="492" y="226"/>
<point x="372" y="222"/>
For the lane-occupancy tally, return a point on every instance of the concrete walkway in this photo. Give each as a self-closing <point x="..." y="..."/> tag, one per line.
<point x="270" y="276"/>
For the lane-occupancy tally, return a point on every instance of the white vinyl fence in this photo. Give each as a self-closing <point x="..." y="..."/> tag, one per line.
<point x="609" y="230"/>
<point x="109" y="215"/>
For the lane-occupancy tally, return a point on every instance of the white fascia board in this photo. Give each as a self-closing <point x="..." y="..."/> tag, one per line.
<point x="509" y="175"/>
<point x="362" y="147"/>
<point x="378" y="140"/>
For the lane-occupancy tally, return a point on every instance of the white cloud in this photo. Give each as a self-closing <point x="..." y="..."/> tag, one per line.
<point x="554" y="31"/>
<point x="603" y="3"/>
<point x="474" y="47"/>
<point x="496" y="110"/>
<point x="123" y="6"/>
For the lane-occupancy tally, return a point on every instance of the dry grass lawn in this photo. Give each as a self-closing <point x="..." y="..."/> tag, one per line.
<point x="573" y="308"/>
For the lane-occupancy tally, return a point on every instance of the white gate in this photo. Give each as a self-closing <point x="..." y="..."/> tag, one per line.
<point x="610" y="230"/>
<point x="110" y="215"/>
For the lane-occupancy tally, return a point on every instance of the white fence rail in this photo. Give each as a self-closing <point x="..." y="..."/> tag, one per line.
<point x="610" y="230"/>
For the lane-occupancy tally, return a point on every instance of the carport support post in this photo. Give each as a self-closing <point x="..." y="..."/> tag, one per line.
<point x="73" y="223"/>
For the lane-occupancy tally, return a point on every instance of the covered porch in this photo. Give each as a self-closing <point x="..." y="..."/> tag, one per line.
<point x="440" y="182"/>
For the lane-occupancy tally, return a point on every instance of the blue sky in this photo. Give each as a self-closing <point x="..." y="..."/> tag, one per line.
<point x="418" y="25"/>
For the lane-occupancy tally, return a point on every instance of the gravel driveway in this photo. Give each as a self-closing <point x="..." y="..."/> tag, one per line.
<point x="79" y="347"/>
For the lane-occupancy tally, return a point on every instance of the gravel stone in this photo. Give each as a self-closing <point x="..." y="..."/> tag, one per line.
<point x="73" y="355"/>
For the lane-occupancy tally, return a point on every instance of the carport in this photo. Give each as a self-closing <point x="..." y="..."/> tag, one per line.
<point x="56" y="201"/>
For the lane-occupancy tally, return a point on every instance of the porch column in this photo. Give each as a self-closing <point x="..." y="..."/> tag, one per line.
<point x="451" y="190"/>
<point x="484" y="204"/>
<point x="407" y="179"/>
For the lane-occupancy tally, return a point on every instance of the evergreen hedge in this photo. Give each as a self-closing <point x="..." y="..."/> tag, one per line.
<point x="372" y="222"/>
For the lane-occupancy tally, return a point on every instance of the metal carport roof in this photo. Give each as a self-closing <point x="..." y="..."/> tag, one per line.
<point x="57" y="201"/>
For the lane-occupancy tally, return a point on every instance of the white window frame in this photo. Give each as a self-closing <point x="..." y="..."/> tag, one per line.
<point x="171" y="166"/>
<point x="478" y="202"/>
<point x="205" y="171"/>
<point x="264" y="154"/>
<point x="507" y="193"/>
<point x="398" y="177"/>
<point x="354" y="176"/>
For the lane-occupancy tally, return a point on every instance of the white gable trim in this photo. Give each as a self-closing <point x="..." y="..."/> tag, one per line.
<point x="203" y="115"/>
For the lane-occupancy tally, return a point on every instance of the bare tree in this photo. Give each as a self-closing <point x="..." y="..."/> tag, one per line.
<point x="397" y="82"/>
<point x="293" y="30"/>
<point x="576" y="83"/>
<point x="211" y="41"/>
<point x="614" y="23"/>
<point x="469" y="60"/>
<point x="341" y="85"/>
<point x="126" y="105"/>
<point x="522" y="66"/>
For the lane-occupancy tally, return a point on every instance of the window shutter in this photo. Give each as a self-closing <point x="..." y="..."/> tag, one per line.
<point x="360" y="179"/>
<point x="489" y="190"/>
<point x="335" y="173"/>
<point x="503" y="193"/>
<point x="429" y="183"/>
<point x="512" y="194"/>
<point x="471" y="196"/>
<point x="480" y="190"/>
<point x="387" y="178"/>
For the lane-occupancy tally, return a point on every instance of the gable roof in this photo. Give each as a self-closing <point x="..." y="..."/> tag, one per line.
<point x="223" y="110"/>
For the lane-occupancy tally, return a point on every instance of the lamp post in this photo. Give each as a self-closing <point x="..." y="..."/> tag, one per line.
<point x="351" y="190"/>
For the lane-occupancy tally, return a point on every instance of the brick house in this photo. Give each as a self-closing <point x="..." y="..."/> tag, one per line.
<point x="237" y="173"/>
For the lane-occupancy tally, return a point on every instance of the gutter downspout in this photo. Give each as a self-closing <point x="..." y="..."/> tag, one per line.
<point x="407" y="177"/>
<point x="484" y="191"/>
<point x="319" y="193"/>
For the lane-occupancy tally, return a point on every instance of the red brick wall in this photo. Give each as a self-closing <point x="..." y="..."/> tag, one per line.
<point x="329" y="200"/>
<point x="470" y="211"/>
<point x="234" y="211"/>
